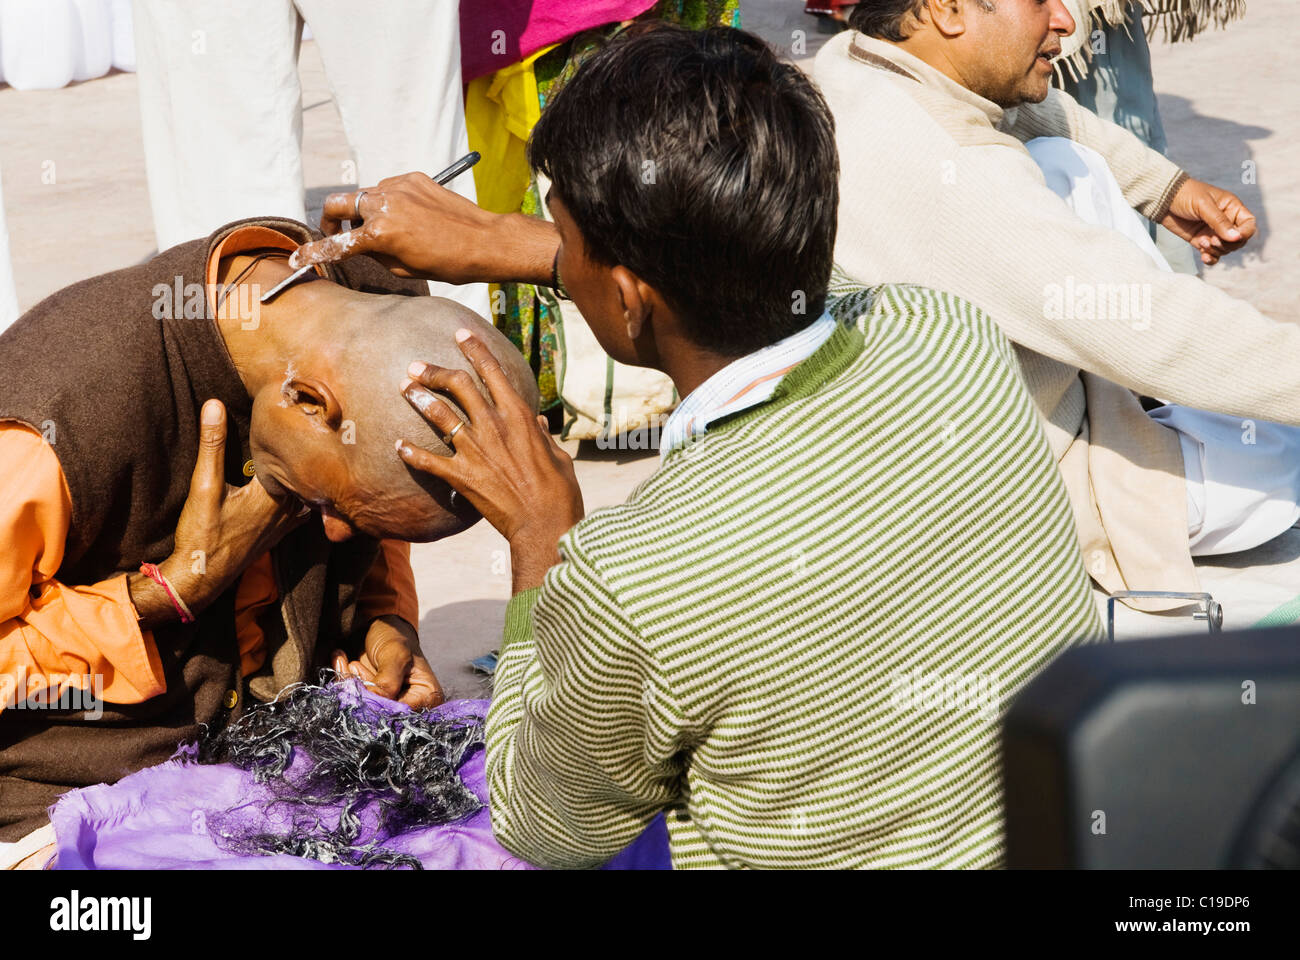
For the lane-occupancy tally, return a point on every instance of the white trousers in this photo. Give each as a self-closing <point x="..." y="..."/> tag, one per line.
<point x="8" y="293"/>
<point x="12" y="854"/>
<point x="221" y="105"/>
<point x="1243" y="476"/>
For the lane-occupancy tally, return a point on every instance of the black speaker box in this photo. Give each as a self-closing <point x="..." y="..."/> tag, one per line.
<point x="1176" y="753"/>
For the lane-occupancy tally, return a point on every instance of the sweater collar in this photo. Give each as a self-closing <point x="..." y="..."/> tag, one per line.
<point x="828" y="361"/>
<point x="243" y="236"/>
<point x="883" y="55"/>
<point x="741" y="384"/>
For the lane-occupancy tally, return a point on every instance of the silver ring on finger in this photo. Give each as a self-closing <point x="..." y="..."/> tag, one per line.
<point x="356" y="207"/>
<point x="454" y="430"/>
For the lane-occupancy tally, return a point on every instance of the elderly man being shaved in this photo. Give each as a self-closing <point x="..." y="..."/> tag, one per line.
<point x="200" y="501"/>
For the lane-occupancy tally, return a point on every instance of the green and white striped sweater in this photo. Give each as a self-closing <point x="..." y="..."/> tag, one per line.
<point x="798" y="636"/>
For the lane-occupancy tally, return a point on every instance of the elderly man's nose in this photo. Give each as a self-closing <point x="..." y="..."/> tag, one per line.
<point x="1061" y="21"/>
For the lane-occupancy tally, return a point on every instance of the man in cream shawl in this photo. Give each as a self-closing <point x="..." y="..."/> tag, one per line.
<point x="933" y="112"/>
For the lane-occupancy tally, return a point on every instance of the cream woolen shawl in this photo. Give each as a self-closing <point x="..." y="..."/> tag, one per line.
<point x="937" y="189"/>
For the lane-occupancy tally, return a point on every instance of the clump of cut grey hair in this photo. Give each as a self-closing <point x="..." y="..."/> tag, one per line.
<point x="366" y="776"/>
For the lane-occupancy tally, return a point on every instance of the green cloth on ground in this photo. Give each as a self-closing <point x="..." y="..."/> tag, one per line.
<point x="1288" y="613"/>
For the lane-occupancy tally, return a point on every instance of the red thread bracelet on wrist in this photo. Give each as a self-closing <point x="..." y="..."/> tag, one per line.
<point x="151" y="571"/>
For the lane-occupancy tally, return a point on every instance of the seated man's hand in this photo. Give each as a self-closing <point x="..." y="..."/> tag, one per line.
<point x="393" y="666"/>
<point x="221" y="530"/>
<point x="1213" y="221"/>
<point x="503" y="460"/>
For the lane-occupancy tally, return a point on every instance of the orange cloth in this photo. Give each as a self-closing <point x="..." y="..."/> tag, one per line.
<point x="51" y="630"/>
<point x="243" y="240"/>
<point x="48" y="629"/>
<point x="389" y="587"/>
<point x="388" y="590"/>
<point x="256" y="591"/>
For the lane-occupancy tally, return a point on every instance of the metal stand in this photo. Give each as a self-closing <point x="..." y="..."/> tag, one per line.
<point x="1211" y="611"/>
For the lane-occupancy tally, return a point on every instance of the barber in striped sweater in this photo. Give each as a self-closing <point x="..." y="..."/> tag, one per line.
<point x="796" y="639"/>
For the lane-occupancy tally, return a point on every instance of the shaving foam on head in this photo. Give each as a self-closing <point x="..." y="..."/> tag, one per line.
<point x="288" y="394"/>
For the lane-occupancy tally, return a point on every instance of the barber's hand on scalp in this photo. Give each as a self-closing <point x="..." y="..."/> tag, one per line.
<point x="1212" y="220"/>
<point x="393" y="666"/>
<point x="222" y="529"/>
<point x="417" y="228"/>
<point x="504" y="460"/>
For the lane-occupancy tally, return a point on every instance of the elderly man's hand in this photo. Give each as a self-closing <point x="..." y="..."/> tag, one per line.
<point x="393" y="666"/>
<point x="1213" y="221"/>
<point x="504" y="460"/>
<point x="220" y="532"/>
<point x="418" y="228"/>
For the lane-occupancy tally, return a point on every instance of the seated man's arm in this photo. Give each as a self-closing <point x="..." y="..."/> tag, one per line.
<point x="1212" y="220"/>
<point x="51" y="633"/>
<point x="1148" y="178"/>
<point x="583" y="736"/>
<point x="1078" y="293"/>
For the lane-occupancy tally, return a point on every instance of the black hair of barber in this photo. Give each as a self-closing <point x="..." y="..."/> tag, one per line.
<point x="706" y="166"/>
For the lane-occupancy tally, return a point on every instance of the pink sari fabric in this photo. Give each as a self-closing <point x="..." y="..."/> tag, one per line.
<point x="497" y="33"/>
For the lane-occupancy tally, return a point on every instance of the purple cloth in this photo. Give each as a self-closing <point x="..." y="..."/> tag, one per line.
<point x="159" y="818"/>
<point x="497" y="33"/>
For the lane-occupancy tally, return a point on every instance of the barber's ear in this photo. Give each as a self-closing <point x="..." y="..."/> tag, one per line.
<point x="635" y="297"/>
<point x="314" y="398"/>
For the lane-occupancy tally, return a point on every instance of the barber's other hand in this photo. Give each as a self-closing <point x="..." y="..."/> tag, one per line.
<point x="393" y="666"/>
<point x="504" y="461"/>
<point x="221" y="530"/>
<point x="1212" y="220"/>
<point x="418" y="228"/>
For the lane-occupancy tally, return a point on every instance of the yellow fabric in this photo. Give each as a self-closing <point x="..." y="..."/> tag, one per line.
<point x="500" y="112"/>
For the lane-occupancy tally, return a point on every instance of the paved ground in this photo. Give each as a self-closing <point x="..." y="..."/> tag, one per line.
<point x="77" y="205"/>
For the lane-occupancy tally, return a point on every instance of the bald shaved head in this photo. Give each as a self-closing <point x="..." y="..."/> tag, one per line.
<point x="324" y="369"/>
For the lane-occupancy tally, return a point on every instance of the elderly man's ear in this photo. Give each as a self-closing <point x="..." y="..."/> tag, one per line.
<point x="313" y="398"/>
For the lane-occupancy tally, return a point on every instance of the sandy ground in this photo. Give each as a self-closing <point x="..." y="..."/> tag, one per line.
<point x="77" y="205"/>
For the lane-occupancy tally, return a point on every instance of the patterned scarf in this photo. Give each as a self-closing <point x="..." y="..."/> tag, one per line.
<point x="1178" y="20"/>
